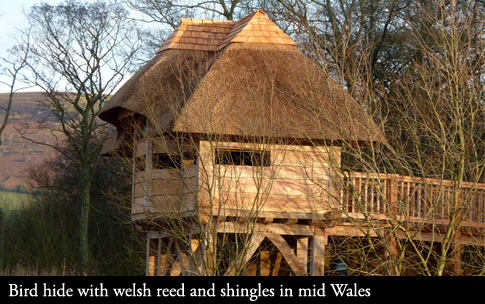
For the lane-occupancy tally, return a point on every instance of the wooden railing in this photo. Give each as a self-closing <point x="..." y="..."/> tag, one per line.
<point x="380" y="196"/>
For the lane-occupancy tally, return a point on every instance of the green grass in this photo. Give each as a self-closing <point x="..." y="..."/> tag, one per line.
<point x="11" y="201"/>
<point x="23" y="270"/>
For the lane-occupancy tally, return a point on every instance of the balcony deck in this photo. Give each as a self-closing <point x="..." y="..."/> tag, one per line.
<point x="413" y="200"/>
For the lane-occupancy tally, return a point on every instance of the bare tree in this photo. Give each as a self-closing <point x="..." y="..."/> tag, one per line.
<point x="12" y="68"/>
<point x="415" y="204"/>
<point x="80" y="53"/>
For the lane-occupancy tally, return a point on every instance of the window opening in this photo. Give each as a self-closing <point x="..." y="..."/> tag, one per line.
<point x="166" y="161"/>
<point x="242" y="157"/>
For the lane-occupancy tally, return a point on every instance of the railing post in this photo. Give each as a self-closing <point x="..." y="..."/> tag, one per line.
<point x="392" y="199"/>
<point x="393" y="195"/>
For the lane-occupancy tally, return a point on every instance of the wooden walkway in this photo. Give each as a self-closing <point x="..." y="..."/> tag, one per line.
<point x="415" y="200"/>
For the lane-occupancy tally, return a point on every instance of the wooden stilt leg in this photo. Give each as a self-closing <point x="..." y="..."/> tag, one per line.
<point x="168" y="259"/>
<point x="302" y="251"/>
<point x="317" y="262"/>
<point x="265" y="263"/>
<point x="277" y="264"/>
<point x="159" y="255"/>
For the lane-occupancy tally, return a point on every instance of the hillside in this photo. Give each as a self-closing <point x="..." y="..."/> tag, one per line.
<point x="17" y="154"/>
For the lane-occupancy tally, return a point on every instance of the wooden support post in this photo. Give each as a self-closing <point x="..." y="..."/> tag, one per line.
<point x="201" y="254"/>
<point x="147" y="260"/>
<point x="182" y="258"/>
<point x="317" y="254"/>
<point x="151" y="266"/>
<point x="196" y="257"/>
<point x="210" y="250"/>
<point x="277" y="264"/>
<point x="302" y="251"/>
<point x="168" y="258"/>
<point x="159" y="255"/>
<point x="265" y="267"/>
<point x="390" y="252"/>
<point x="456" y="267"/>
<point x="393" y="196"/>
<point x="456" y="246"/>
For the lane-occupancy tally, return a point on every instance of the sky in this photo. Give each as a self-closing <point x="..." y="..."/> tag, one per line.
<point x="11" y="19"/>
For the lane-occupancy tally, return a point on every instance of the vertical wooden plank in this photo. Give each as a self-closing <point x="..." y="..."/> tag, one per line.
<point x="151" y="266"/>
<point x="408" y="200"/>
<point x="442" y="203"/>
<point x="182" y="257"/>
<point x="210" y="248"/>
<point x="393" y="196"/>
<point x="481" y="208"/>
<point x="277" y="264"/>
<point x="390" y="253"/>
<point x="412" y="197"/>
<point x="168" y="257"/>
<point x="372" y="207"/>
<point x="147" y="260"/>
<point x="449" y="196"/>
<point x="302" y="251"/>
<point x="383" y="197"/>
<point x="352" y="198"/>
<point x="317" y="254"/>
<point x="418" y="198"/>
<point x="265" y="266"/>
<point x="196" y="261"/>
<point x="159" y="255"/>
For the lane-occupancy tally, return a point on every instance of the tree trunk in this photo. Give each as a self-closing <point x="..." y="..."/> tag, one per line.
<point x="84" y="221"/>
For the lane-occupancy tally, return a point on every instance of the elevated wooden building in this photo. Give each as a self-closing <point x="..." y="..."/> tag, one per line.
<point x="235" y="138"/>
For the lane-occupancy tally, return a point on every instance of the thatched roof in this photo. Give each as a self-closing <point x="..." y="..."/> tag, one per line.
<point x="253" y="82"/>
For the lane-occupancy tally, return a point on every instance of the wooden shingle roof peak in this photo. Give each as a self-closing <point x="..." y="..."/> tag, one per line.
<point x="214" y="35"/>
<point x="256" y="28"/>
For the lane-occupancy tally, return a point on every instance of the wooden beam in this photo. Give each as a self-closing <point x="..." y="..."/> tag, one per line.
<point x="276" y="228"/>
<point x="253" y="244"/>
<point x="293" y="261"/>
<point x="321" y="215"/>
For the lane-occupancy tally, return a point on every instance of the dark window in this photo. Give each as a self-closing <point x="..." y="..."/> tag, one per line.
<point x="243" y="157"/>
<point x="165" y="161"/>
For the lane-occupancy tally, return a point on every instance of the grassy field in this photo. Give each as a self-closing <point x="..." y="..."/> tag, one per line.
<point x="10" y="201"/>
<point x="39" y="236"/>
